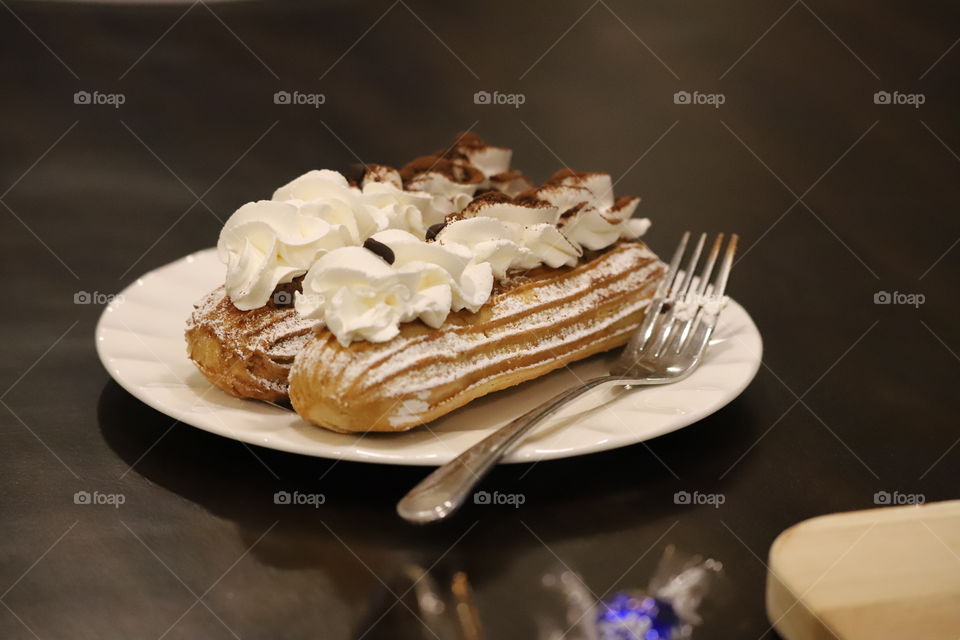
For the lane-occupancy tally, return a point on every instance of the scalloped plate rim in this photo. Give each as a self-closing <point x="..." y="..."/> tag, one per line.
<point x="350" y="447"/>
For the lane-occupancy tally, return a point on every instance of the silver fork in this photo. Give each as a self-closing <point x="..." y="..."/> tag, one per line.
<point x="667" y="347"/>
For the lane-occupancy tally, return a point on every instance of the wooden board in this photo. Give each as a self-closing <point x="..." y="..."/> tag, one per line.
<point x="883" y="573"/>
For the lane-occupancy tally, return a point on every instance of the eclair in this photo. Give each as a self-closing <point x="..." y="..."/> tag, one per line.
<point x="381" y="299"/>
<point x="530" y="326"/>
<point x="248" y="354"/>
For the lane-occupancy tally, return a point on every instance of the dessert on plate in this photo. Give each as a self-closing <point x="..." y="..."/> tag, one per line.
<point x="379" y="299"/>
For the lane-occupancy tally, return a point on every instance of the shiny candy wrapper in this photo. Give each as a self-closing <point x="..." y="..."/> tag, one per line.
<point x="665" y="610"/>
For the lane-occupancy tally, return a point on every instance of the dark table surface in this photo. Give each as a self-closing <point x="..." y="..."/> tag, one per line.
<point x="837" y="198"/>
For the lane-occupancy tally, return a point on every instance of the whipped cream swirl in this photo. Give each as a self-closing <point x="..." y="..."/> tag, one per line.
<point x="453" y="176"/>
<point x="316" y="224"/>
<point x="380" y="203"/>
<point x="360" y="296"/>
<point x="267" y="243"/>
<point x="511" y="236"/>
<point x="447" y="195"/>
<point x="412" y="211"/>
<point x="589" y="215"/>
<point x="552" y="225"/>
<point x="271" y="242"/>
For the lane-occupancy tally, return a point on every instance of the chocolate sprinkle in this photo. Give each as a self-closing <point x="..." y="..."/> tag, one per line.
<point x="380" y="249"/>
<point x="572" y="211"/>
<point x="434" y="229"/>
<point x="354" y="173"/>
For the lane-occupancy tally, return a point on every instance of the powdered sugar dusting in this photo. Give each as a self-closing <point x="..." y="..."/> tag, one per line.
<point x="412" y="365"/>
<point x="278" y="333"/>
<point x="409" y="409"/>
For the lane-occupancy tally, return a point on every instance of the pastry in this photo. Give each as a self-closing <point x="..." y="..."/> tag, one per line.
<point x="530" y="326"/>
<point x="248" y="353"/>
<point x="380" y="299"/>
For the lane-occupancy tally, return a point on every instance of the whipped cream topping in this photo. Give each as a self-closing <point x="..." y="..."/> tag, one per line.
<point x="448" y="196"/>
<point x="590" y="217"/>
<point x="489" y="160"/>
<point x="360" y="296"/>
<point x="552" y="225"/>
<point x="382" y="189"/>
<point x="380" y="203"/>
<point x="491" y="241"/>
<point x="511" y="236"/>
<point x="438" y="246"/>
<point x="341" y="202"/>
<point x="271" y="242"/>
<point x="510" y="183"/>
<point x="267" y="243"/>
<point x="450" y="184"/>
<point x="454" y="175"/>
<point x="471" y="149"/>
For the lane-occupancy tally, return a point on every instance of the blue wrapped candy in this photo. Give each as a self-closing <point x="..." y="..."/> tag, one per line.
<point x="666" y="610"/>
<point x="629" y="617"/>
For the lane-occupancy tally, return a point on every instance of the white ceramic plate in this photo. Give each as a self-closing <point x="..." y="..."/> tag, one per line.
<point x="140" y="342"/>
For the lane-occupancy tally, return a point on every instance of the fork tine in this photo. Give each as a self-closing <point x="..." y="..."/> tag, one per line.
<point x="711" y="262"/>
<point x="721" y="284"/>
<point x="714" y="292"/>
<point x="653" y="310"/>
<point x="700" y="334"/>
<point x="683" y="313"/>
<point x="706" y="289"/>
<point x="686" y="331"/>
<point x="671" y="333"/>
<point x="667" y="283"/>
<point x="667" y="333"/>
<point x="691" y="267"/>
<point x="638" y="342"/>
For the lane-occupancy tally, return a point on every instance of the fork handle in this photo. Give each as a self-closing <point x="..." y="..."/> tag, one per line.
<point x="445" y="490"/>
